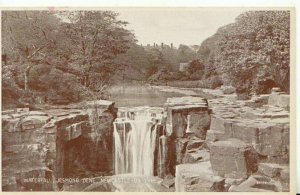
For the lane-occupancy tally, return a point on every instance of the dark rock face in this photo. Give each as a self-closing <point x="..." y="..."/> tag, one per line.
<point x="90" y="154"/>
<point x="195" y="120"/>
<point x="160" y="157"/>
<point x="187" y="122"/>
<point x="179" y="124"/>
<point x="181" y="144"/>
<point x="84" y="157"/>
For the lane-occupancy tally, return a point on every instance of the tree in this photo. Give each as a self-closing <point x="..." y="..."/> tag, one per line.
<point x="62" y="53"/>
<point x="97" y="37"/>
<point x="196" y="70"/>
<point x="185" y="53"/>
<point x="28" y="37"/>
<point x="256" y="46"/>
<point x="132" y="65"/>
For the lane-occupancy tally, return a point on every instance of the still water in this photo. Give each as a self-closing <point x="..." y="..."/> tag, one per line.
<point x="138" y="95"/>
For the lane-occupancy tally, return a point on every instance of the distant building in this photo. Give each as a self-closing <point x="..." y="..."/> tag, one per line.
<point x="160" y="47"/>
<point x="184" y="66"/>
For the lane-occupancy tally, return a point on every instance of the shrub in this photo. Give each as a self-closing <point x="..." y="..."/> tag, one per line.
<point x="215" y="82"/>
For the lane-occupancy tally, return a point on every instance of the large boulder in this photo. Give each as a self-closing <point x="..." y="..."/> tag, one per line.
<point x="197" y="177"/>
<point x="280" y="100"/>
<point x="233" y="158"/>
<point x="257" y="183"/>
<point x="227" y="89"/>
<point x="268" y="139"/>
<point x="187" y="115"/>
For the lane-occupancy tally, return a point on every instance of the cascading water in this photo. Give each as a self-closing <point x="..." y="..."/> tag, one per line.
<point x="135" y="139"/>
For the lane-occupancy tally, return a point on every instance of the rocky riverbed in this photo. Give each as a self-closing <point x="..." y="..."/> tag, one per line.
<point x="219" y="144"/>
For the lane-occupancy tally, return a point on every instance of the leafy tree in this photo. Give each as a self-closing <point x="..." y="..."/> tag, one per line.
<point x="28" y="37"/>
<point x="133" y="64"/>
<point x="256" y="46"/>
<point x="185" y="53"/>
<point x="196" y="70"/>
<point x="60" y="53"/>
<point x="97" y="37"/>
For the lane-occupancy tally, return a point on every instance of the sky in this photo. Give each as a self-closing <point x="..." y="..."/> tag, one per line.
<point x="189" y="26"/>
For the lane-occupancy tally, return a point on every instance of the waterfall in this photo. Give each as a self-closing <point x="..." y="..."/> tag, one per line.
<point x="134" y="142"/>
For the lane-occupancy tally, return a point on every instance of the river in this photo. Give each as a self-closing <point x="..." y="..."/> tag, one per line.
<point x="131" y="95"/>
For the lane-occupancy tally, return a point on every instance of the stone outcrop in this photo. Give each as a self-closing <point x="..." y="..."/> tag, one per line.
<point x="25" y="150"/>
<point x="233" y="159"/>
<point x="36" y="144"/>
<point x="218" y="145"/>
<point x="188" y="119"/>
<point x="187" y="115"/>
<point x="279" y="99"/>
<point x="265" y="128"/>
<point x="247" y="144"/>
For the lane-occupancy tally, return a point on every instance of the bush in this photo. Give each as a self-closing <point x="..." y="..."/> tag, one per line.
<point x="215" y="82"/>
<point x="195" y="70"/>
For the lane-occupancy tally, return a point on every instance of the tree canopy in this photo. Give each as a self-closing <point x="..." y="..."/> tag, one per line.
<point x="42" y="46"/>
<point x="253" y="48"/>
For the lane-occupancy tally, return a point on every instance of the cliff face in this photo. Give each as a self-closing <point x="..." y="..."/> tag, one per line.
<point x="46" y="145"/>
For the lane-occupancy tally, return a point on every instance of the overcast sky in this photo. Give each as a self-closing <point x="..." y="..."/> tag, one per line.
<point x="188" y="26"/>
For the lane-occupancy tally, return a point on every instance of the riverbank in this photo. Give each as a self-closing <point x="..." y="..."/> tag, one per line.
<point x="192" y="91"/>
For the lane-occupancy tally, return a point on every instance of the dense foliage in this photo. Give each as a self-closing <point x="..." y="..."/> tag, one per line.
<point x="63" y="55"/>
<point x="147" y="62"/>
<point x="252" y="54"/>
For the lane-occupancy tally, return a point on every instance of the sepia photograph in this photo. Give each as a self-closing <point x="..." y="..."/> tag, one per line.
<point x="127" y="99"/>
